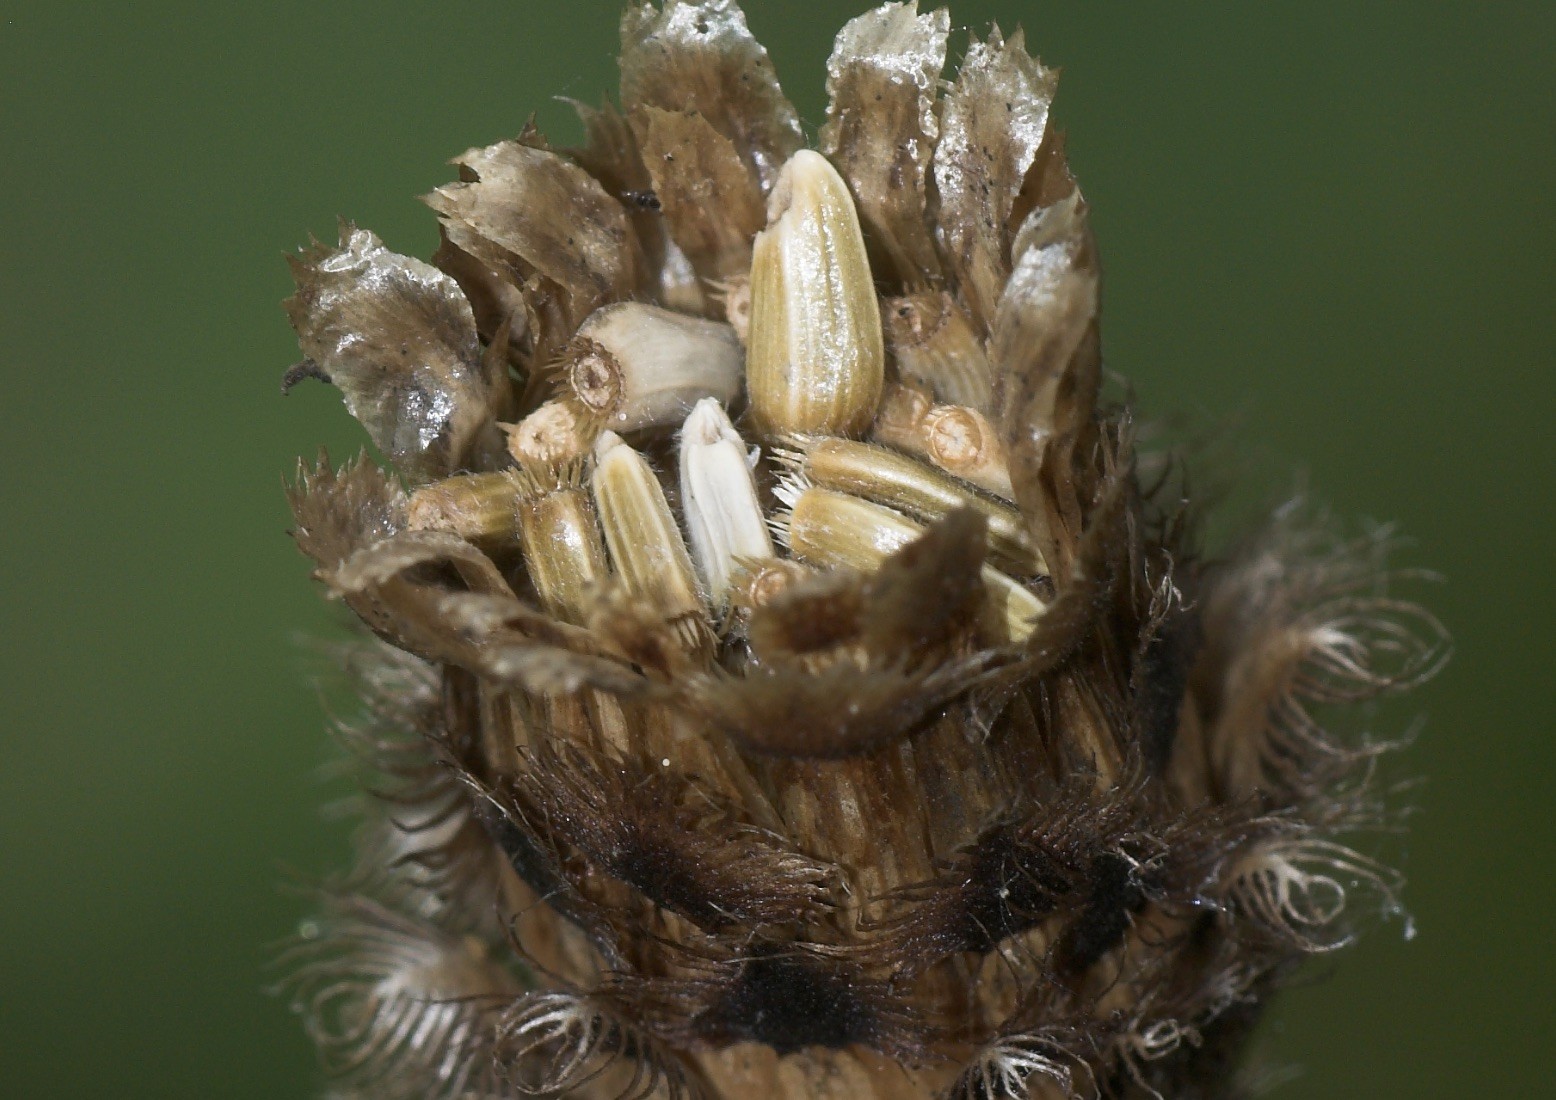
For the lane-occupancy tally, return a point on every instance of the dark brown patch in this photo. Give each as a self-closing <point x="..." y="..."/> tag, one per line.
<point x="1014" y="876"/>
<point x="1157" y="685"/>
<point x="792" y="1002"/>
<point x="1115" y="894"/>
<point x="668" y="839"/>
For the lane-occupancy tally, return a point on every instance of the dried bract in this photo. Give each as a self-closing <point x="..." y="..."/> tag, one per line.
<point x="397" y="338"/>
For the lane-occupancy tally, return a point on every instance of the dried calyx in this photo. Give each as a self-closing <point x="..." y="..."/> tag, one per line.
<point x="773" y="624"/>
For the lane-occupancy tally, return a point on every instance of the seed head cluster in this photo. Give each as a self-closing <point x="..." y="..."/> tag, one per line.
<point x="781" y="676"/>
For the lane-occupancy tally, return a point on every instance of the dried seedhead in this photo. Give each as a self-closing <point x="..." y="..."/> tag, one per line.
<point x="784" y="678"/>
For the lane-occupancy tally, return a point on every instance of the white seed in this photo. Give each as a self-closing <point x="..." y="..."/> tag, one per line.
<point x="718" y="498"/>
<point x="815" y="360"/>
<point x="634" y="366"/>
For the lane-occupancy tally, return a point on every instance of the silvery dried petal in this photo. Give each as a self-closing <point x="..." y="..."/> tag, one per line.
<point x="883" y="79"/>
<point x="993" y="120"/>
<point x="550" y="214"/>
<point x="697" y="56"/>
<point x="712" y="202"/>
<point x="397" y="338"/>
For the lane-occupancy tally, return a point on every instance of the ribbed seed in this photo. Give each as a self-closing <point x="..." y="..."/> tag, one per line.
<point x="562" y="550"/>
<point x="840" y="531"/>
<point x="644" y="542"/>
<point x="933" y="343"/>
<point x="478" y="507"/>
<point x="888" y="477"/>
<point x="957" y="439"/>
<point x="815" y="361"/>
<point x="718" y="499"/>
<point x="634" y="366"/>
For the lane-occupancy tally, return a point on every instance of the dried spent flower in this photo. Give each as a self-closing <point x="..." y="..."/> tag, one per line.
<point x="811" y="698"/>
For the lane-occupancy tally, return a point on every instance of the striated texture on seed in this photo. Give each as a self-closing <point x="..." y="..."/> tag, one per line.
<point x="814" y="695"/>
<point x="814" y="357"/>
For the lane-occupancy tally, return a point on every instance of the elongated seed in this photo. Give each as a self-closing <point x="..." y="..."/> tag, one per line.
<point x="891" y="478"/>
<point x="561" y="540"/>
<point x="640" y="532"/>
<point x="955" y="438"/>
<point x="478" y="507"/>
<point x="837" y="530"/>
<point x="718" y="498"/>
<point x="634" y="366"/>
<point x="815" y="361"/>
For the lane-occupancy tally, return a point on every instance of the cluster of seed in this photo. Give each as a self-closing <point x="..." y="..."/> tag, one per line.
<point x="783" y="684"/>
<point x="810" y="360"/>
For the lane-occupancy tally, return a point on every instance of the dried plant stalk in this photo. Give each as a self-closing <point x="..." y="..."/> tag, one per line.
<point x="979" y="780"/>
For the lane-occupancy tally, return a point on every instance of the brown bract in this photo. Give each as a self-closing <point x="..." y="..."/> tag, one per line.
<point x="396" y="336"/>
<point x="813" y="701"/>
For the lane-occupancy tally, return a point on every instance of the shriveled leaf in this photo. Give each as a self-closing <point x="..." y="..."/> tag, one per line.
<point x="483" y="615"/>
<point x="481" y="626"/>
<point x="992" y="123"/>
<point x="513" y="643"/>
<point x="547" y="670"/>
<point x="710" y="198"/>
<point x="925" y="593"/>
<point x="700" y="57"/>
<point x="883" y="79"/>
<point x="611" y="155"/>
<point x="375" y="565"/>
<point x="1042" y="324"/>
<point x="786" y="709"/>
<point x="610" y="152"/>
<point x="549" y="213"/>
<point x="398" y="339"/>
<point x="493" y="295"/>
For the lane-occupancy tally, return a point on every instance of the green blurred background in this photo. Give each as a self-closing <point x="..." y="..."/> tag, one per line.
<point x="1328" y="222"/>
